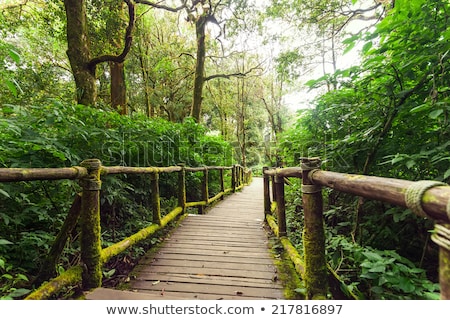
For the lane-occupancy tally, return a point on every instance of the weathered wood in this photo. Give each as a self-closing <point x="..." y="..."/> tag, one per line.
<point x="156" y="203"/>
<point x="142" y="234"/>
<point x="388" y="190"/>
<point x="221" y="183"/>
<point x="139" y="170"/>
<point x="205" y="191"/>
<point x="223" y="254"/>
<point x="24" y="174"/>
<point x="313" y="235"/>
<point x="281" y="206"/>
<point x="182" y="188"/>
<point x="70" y="277"/>
<point x="90" y="225"/>
<point x="285" y="172"/>
<point x="48" y="268"/>
<point x="266" y="191"/>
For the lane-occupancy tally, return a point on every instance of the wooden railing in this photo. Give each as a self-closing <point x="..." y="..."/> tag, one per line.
<point x="429" y="199"/>
<point x="85" y="211"/>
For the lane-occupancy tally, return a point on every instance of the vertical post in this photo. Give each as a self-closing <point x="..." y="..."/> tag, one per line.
<point x="233" y="178"/>
<point x="156" y="203"/>
<point x="90" y="225"/>
<point x="313" y="233"/>
<point x="205" y="193"/>
<point x="281" y="206"/>
<point x="442" y="238"/>
<point x="221" y="182"/>
<point x="274" y="190"/>
<point x="266" y="188"/>
<point x="182" y="187"/>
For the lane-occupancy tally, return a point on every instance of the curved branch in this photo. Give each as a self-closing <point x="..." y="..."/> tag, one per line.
<point x="230" y="75"/>
<point x="128" y="41"/>
<point x="164" y="7"/>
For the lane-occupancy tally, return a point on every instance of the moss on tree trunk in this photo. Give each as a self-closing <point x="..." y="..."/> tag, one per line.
<point x="78" y="51"/>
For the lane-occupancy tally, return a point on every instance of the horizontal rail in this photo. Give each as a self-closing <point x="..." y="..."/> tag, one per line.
<point x="434" y="201"/>
<point x="89" y="175"/>
<point x="425" y="198"/>
<point x="30" y="174"/>
<point x="78" y="172"/>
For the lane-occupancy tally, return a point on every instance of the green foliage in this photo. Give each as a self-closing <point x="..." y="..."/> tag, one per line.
<point x="387" y="117"/>
<point x="61" y="135"/>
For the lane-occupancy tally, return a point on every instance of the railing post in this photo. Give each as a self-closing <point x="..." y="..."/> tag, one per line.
<point x="313" y="233"/>
<point x="442" y="238"/>
<point x="221" y="182"/>
<point x="90" y="225"/>
<point x="233" y="178"/>
<point x="281" y="206"/>
<point x="274" y="190"/>
<point x="182" y="188"/>
<point x="156" y="203"/>
<point x="266" y="188"/>
<point x="205" y="192"/>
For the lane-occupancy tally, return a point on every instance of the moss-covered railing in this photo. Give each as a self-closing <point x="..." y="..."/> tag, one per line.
<point x="85" y="212"/>
<point x="425" y="198"/>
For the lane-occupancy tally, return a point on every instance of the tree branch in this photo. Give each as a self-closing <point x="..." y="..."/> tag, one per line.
<point x="128" y="41"/>
<point x="162" y="6"/>
<point x="230" y="75"/>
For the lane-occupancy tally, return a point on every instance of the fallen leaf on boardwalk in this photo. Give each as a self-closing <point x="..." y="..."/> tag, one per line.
<point x="155" y="283"/>
<point x="162" y="291"/>
<point x="239" y="293"/>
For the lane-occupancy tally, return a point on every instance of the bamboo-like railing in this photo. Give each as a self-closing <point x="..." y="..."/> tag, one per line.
<point x="85" y="211"/>
<point x="430" y="199"/>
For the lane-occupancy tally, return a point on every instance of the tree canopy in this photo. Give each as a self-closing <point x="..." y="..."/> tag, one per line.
<point x="84" y="78"/>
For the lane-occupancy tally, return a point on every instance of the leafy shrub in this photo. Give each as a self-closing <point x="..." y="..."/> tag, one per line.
<point x="61" y="135"/>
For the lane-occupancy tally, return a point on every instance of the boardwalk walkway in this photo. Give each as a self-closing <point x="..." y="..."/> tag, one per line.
<point x="223" y="254"/>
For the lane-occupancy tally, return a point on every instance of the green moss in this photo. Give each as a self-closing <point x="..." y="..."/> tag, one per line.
<point x="287" y="274"/>
<point x="71" y="277"/>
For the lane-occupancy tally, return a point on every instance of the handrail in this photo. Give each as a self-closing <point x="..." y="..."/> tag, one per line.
<point x="86" y="209"/>
<point x="430" y="199"/>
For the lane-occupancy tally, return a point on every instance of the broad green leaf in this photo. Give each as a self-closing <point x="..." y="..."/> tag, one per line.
<point x="19" y="293"/>
<point x="379" y="268"/>
<point x="373" y="256"/>
<point x="4" y="241"/>
<point x="367" y="46"/>
<point x="435" y="113"/>
<point x="447" y="174"/>
<point x="6" y="194"/>
<point x="2" y="263"/>
<point x="422" y="107"/>
<point x="14" y="55"/>
<point x="11" y="86"/>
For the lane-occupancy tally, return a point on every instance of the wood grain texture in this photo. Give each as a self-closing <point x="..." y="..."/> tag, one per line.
<point x="223" y="254"/>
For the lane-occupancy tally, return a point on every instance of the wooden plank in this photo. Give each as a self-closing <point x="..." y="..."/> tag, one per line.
<point x="242" y="265"/>
<point x="195" y="288"/>
<point x="113" y="294"/>
<point x="217" y="271"/>
<point x="191" y="278"/>
<point x="222" y="258"/>
<point x="223" y="254"/>
<point x="228" y="252"/>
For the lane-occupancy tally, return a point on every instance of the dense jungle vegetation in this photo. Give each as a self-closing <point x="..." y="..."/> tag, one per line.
<point x="362" y="84"/>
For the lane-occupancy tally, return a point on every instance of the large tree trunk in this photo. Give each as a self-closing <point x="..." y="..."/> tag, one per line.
<point x="118" y="87"/>
<point x="78" y="51"/>
<point x="199" y="78"/>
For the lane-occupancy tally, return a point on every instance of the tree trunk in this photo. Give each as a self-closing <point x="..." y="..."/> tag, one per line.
<point x="118" y="88"/>
<point x="199" y="79"/>
<point x="78" y="52"/>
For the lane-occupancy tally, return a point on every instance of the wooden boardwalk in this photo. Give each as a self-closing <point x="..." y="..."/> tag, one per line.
<point x="222" y="254"/>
